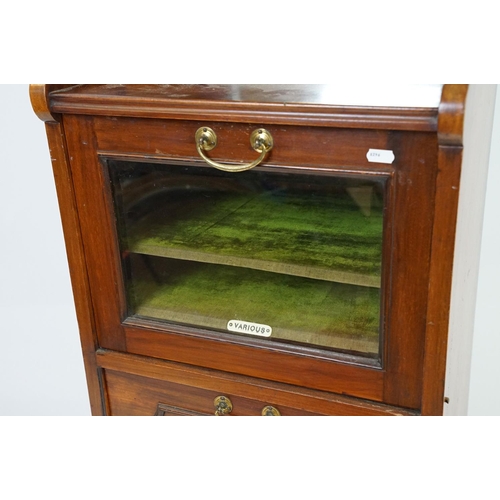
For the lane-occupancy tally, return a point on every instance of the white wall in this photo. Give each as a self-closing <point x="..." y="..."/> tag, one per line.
<point x="484" y="397"/>
<point x="41" y="369"/>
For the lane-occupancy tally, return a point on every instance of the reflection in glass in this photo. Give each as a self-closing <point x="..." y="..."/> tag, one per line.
<point x="300" y="253"/>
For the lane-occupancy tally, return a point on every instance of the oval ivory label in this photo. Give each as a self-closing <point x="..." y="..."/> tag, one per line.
<point x="380" y="156"/>
<point x="237" y="326"/>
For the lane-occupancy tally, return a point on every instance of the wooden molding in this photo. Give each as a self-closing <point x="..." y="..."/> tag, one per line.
<point x="39" y="96"/>
<point x="451" y="115"/>
<point x="140" y="101"/>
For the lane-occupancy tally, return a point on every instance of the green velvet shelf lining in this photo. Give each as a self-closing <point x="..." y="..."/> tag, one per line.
<point x="303" y="310"/>
<point x="321" y="237"/>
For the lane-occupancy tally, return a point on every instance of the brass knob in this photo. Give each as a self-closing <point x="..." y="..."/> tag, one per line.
<point x="270" y="411"/>
<point x="260" y="140"/>
<point x="223" y="406"/>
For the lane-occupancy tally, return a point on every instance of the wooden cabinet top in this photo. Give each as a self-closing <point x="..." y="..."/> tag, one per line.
<point x="396" y="95"/>
<point x="390" y="107"/>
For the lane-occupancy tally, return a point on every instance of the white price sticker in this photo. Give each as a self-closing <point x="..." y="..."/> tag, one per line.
<point x="380" y="156"/>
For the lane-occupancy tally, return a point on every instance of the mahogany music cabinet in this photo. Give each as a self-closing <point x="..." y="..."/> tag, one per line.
<point x="271" y="249"/>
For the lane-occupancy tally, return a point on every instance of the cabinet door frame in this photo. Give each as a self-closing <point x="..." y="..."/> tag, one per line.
<point x="408" y="235"/>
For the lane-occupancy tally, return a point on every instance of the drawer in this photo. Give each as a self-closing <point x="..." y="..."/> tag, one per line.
<point x="136" y="385"/>
<point x="136" y="395"/>
<point x="292" y="145"/>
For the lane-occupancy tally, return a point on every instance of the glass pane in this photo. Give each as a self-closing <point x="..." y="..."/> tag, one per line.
<point x="288" y="257"/>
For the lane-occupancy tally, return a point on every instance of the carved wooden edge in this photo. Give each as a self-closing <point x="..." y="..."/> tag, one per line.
<point x="39" y="96"/>
<point x="451" y="115"/>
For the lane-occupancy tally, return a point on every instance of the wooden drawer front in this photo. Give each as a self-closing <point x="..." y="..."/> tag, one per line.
<point x="136" y="385"/>
<point x="299" y="146"/>
<point x="133" y="395"/>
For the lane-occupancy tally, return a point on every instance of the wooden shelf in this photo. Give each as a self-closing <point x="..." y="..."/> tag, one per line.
<point x="319" y="313"/>
<point x="322" y="237"/>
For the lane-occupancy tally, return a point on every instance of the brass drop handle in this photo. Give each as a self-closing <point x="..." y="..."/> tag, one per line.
<point x="223" y="406"/>
<point x="270" y="411"/>
<point x="260" y="140"/>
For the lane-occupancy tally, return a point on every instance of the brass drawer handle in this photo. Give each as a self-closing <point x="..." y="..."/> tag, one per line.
<point x="270" y="411"/>
<point x="223" y="406"/>
<point x="260" y="140"/>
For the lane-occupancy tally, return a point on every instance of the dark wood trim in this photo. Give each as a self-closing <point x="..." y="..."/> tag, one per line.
<point x="414" y="119"/>
<point x="410" y="250"/>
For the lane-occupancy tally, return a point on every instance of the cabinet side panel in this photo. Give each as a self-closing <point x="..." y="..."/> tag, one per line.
<point x="76" y="259"/>
<point x="450" y="140"/>
<point x="441" y="258"/>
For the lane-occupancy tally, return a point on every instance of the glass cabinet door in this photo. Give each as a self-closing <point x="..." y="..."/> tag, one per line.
<point x="294" y="258"/>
